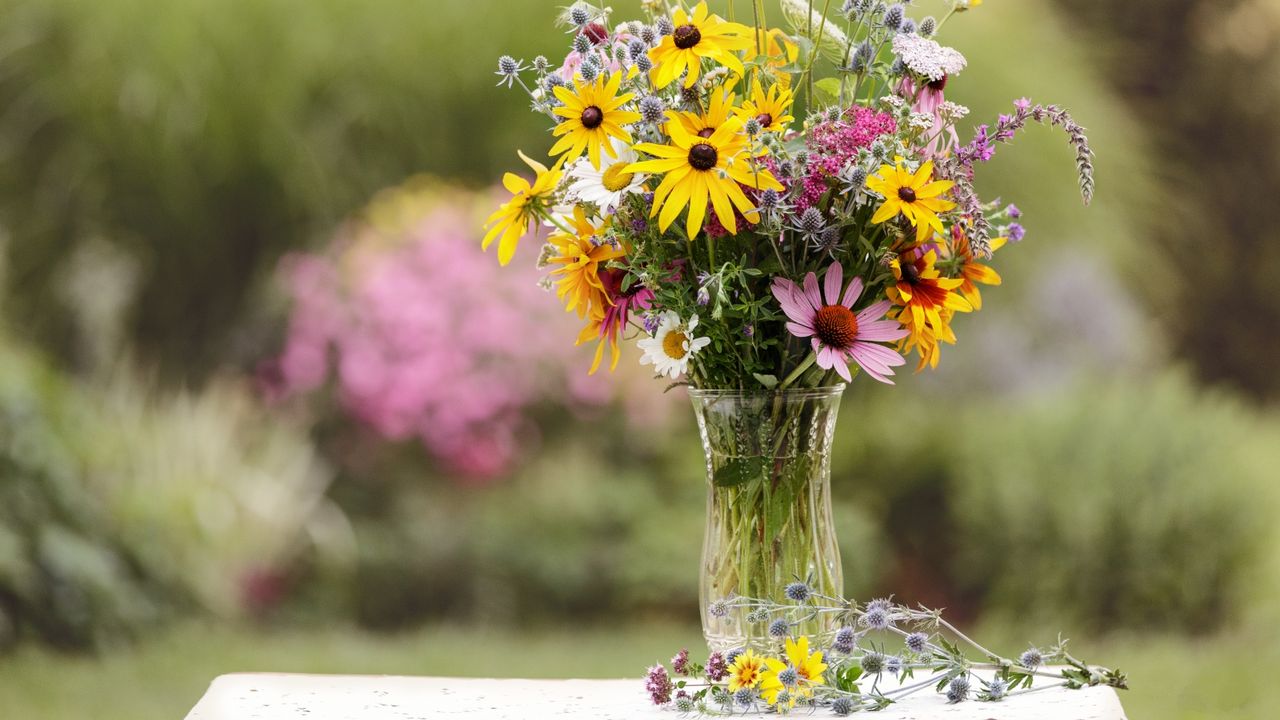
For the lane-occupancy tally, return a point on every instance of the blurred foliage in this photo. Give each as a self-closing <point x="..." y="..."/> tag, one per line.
<point x="119" y="506"/>
<point x="1123" y="502"/>
<point x="1120" y="505"/>
<point x="182" y="147"/>
<point x="1204" y="77"/>
<point x="209" y="136"/>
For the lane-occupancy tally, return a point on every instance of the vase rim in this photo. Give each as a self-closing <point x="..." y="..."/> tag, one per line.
<point x="827" y="391"/>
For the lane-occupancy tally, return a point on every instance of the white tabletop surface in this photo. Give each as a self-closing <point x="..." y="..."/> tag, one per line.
<point x="362" y="697"/>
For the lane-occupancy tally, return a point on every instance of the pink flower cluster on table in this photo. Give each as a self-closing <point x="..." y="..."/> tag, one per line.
<point x="430" y="338"/>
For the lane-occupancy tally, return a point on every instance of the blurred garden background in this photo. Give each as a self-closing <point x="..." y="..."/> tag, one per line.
<point x="264" y="405"/>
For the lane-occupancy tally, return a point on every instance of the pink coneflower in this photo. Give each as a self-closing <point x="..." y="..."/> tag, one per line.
<point x="928" y="98"/>
<point x="838" y="334"/>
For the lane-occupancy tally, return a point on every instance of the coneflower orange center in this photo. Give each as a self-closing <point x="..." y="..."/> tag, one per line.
<point x="673" y="344"/>
<point x="703" y="157"/>
<point x="592" y="117"/>
<point x="686" y="36"/>
<point x="836" y="326"/>
<point x="907" y="194"/>
<point x="616" y="177"/>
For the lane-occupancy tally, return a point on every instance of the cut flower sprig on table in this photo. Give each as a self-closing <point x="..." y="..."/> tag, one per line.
<point x="882" y="652"/>
<point x="801" y="196"/>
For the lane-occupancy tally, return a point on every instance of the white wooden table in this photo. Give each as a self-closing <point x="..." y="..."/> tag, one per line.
<point x="351" y="697"/>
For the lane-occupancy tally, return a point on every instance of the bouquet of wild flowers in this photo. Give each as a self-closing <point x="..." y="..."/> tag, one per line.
<point x="691" y="207"/>
<point x="883" y="652"/>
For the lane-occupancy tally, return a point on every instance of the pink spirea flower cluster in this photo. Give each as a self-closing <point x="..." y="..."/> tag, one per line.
<point x="428" y="336"/>
<point x="832" y="145"/>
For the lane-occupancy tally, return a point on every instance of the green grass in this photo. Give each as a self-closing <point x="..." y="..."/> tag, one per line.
<point x="1171" y="677"/>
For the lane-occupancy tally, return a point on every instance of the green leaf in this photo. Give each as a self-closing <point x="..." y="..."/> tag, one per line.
<point x="769" y="381"/>
<point x="777" y="511"/>
<point x="739" y="470"/>
<point x="827" y="90"/>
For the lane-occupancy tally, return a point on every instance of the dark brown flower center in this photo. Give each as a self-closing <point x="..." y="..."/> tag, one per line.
<point x="905" y="194"/>
<point x="702" y="156"/>
<point x="592" y="117"/>
<point x="706" y="132"/>
<point x="686" y="36"/>
<point x="938" y="84"/>
<point x="836" y="326"/>
<point x="765" y="119"/>
<point x="910" y="274"/>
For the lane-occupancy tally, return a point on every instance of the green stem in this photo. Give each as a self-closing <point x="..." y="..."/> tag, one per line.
<point x="795" y="374"/>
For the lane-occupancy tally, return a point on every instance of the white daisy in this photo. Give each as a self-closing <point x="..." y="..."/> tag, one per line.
<point x="606" y="186"/>
<point x="672" y="345"/>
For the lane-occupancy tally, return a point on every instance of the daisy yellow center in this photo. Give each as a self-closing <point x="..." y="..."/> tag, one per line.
<point x="747" y="675"/>
<point x="673" y="344"/>
<point x="836" y="326"/>
<point x="616" y="177"/>
<point x="592" y="117"/>
<point x="703" y="157"/>
<point x="686" y="36"/>
<point x="906" y="194"/>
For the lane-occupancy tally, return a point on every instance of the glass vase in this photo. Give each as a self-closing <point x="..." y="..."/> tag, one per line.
<point x="768" y="508"/>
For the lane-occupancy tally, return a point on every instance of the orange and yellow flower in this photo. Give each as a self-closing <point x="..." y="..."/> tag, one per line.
<point x="577" y="259"/>
<point x="698" y="35"/>
<point x="972" y="272"/>
<point x="928" y="302"/>
<point x="511" y="221"/>
<point x="592" y="115"/>
<point x="745" y="671"/>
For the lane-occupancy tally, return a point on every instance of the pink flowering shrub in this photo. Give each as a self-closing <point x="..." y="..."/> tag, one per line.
<point x="429" y="338"/>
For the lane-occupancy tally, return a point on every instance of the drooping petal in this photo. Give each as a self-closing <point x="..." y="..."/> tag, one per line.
<point x="842" y="368"/>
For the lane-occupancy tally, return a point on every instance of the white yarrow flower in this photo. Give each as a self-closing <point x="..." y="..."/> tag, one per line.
<point x="606" y="187"/>
<point x="926" y="57"/>
<point x="672" y="345"/>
